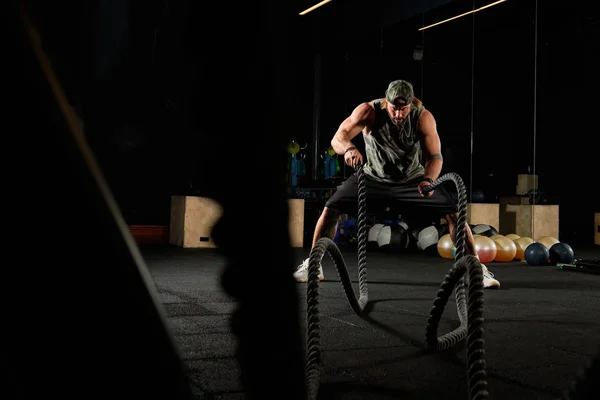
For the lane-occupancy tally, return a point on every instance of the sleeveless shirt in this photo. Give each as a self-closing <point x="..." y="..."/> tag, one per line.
<point x="393" y="153"/>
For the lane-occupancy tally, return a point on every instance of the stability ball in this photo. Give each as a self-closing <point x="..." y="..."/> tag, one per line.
<point x="485" y="248"/>
<point x="561" y="253"/>
<point x="512" y="236"/>
<point x="547" y="241"/>
<point x="445" y="246"/>
<point x="506" y="249"/>
<point x="484" y="230"/>
<point x="537" y="254"/>
<point x="522" y="244"/>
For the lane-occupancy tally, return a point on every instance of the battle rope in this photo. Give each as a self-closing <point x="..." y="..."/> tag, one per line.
<point x="470" y="316"/>
<point x="313" y="358"/>
<point x="586" y="384"/>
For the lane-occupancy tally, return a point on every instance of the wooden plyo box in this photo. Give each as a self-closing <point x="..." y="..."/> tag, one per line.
<point x="525" y="183"/>
<point x="296" y="222"/>
<point x="192" y="221"/>
<point x="482" y="213"/>
<point x="193" y="218"/>
<point x="597" y="228"/>
<point x="533" y="221"/>
<point x="514" y="200"/>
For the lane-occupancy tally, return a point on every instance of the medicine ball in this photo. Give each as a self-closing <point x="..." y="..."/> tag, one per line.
<point x="561" y="253"/>
<point x="484" y="230"/>
<point x="372" y="236"/>
<point x="428" y="237"/>
<point x="393" y="237"/>
<point x="413" y="234"/>
<point x="477" y="196"/>
<point x="537" y="254"/>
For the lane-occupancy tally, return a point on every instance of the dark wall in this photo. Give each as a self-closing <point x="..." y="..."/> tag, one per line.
<point x="512" y="89"/>
<point x="145" y="74"/>
<point x="567" y="134"/>
<point x="503" y="96"/>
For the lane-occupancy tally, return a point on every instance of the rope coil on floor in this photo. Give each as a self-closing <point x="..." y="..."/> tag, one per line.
<point x="470" y="314"/>
<point x="469" y="302"/>
<point x="323" y="245"/>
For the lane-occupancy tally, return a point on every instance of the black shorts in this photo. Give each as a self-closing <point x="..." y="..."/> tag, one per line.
<point x="403" y="198"/>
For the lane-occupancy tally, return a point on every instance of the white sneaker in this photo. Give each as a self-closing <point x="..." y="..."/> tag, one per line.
<point x="301" y="274"/>
<point x="488" y="278"/>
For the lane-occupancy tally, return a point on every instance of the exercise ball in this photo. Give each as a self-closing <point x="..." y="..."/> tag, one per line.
<point x="561" y="253"/>
<point x="506" y="249"/>
<point x="537" y="254"/>
<point x="477" y="196"/>
<point x="393" y="238"/>
<point x="372" y="236"/>
<point x="512" y="236"/>
<point x="522" y="244"/>
<point x="428" y="237"/>
<point x="485" y="248"/>
<point x="547" y="241"/>
<point x="484" y="230"/>
<point x="444" y="246"/>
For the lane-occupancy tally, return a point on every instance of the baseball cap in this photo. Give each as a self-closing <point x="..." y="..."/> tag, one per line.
<point x="400" y="90"/>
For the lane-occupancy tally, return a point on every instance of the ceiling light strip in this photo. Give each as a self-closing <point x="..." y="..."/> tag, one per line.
<point x="314" y="7"/>
<point x="462" y="15"/>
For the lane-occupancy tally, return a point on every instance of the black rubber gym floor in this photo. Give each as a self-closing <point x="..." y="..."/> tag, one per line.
<point x="541" y="327"/>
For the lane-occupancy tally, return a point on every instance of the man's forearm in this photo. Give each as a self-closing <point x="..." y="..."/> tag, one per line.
<point x="340" y="142"/>
<point x="433" y="168"/>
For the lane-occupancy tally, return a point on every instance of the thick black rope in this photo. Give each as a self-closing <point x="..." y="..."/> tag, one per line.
<point x="323" y="245"/>
<point x="470" y="316"/>
<point x="586" y="385"/>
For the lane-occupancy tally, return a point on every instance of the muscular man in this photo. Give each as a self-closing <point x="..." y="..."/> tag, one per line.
<point x="397" y="129"/>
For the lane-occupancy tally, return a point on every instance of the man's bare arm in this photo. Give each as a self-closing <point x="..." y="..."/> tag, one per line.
<point x="351" y="126"/>
<point x="432" y="147"/>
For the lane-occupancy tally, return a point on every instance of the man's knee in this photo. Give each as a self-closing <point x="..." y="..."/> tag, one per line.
<point x="452" y="218"/>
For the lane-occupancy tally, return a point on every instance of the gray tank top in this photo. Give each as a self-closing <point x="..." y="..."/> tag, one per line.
<point x="393" y="154"/>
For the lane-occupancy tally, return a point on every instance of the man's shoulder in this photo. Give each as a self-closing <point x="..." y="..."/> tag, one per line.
<point x="377" y="104"/>
<point x="423" y="112"/>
